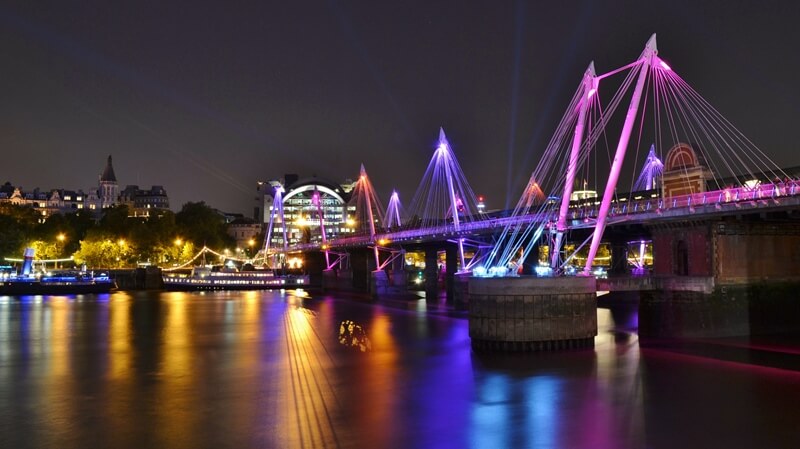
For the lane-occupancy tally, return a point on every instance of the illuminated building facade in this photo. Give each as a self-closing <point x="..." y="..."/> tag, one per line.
<point x="246" y="232"/>
<point x="106" y="194"/>
<point x="144" y="202"/>
<point x="301" y="213"/>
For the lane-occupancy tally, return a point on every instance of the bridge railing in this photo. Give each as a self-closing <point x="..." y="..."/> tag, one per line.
<point x="762" y="194"/>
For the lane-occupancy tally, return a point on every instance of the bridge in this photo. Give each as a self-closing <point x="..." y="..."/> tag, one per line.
<point x="716" y="212"/>
<point x="768" y="197"/>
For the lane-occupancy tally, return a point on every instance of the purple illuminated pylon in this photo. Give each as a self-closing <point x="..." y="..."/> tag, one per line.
<point x="368" y="207"/>
<point x="444" y="197"/>
<point x="392" y="217"/>
<point x="277" y="208"/>
<point x="645" y="60"/>
<point x="590" y="88"/>
<point x="651" y="172"/>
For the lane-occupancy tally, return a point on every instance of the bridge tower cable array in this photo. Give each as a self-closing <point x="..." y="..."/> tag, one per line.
<point x="369" y="209"/>
<point x="645" y="60"/>
<point x="444" y="198"/>
<point x="392" y="220"/>
<point x="671" y="115"/>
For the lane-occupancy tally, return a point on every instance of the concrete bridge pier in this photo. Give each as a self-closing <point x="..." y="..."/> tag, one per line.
<point x="531" y="260"/>
<point x="378" y="283"/>
<point x="314" y="265"/>
<point x="532" y="314"/>
<point x="431" y="274"/>
<point x="362" y="262"/>
<point x="619" y="257"/>
<point x="451" y="266"/>
<point x="398" y="277"/>
<point x="749" y="273"/>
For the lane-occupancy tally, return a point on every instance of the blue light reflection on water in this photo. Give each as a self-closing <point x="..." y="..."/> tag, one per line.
<point x="542" y="394"/>
<point x="490" y="423"/>
<point x="257" y="369"/>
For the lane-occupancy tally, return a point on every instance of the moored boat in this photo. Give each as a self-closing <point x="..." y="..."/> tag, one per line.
<point x="55" y="282"/>
<point x="203" y="278"/>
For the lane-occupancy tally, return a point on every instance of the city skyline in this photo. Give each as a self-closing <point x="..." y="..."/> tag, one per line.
<point x="207" y="102"/>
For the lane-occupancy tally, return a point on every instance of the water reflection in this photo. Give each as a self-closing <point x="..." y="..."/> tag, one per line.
<point x="289" y="369"/>
<point x="354" y="336"/>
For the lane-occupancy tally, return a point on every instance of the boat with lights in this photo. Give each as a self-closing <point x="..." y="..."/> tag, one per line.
<point x="204" y="278"/>
<point x="55" y="282"/>
<point x="233" y="274"/>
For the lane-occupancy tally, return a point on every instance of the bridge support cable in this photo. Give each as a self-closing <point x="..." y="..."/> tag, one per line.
<point x="651" y="172"/>
<point x="368" y="207"/>
<point x="727" y="151"/>
<point x="341" y="260"/>
<point x="393" y="254"/>
<point x="391" y="219"/>
<point x="444" y="197"/>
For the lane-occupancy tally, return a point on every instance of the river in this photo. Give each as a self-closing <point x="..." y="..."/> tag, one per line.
<point x="289" y="369"/>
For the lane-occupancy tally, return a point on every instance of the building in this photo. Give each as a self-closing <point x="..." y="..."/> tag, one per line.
<point x="141" y="202"/>
<point x="246" y="232"/>
<point x="301" y="212"/>
<point x="108" y="188"/>
<point x="144" y="202"/>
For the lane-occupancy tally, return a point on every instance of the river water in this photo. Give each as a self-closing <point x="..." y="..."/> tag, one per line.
<point x="288" y="369"/>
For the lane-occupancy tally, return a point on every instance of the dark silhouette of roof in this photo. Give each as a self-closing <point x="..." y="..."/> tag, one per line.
<point x="108" y="173"/>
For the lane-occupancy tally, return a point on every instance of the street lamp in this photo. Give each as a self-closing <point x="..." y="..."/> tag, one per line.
<point x="121" y="243"/>
<point x="61" y="238"/>
<point x="250" y="244"/>
<point x="178" y="241"/>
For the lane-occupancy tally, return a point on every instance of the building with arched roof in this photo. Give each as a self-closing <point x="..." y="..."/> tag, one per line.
<point x="300" y="211"/>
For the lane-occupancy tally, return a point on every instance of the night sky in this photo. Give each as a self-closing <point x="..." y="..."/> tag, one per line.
<point x="206" y="98"/>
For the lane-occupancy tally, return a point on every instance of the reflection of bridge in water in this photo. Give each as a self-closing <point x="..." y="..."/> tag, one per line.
<point x="717" y="212"/>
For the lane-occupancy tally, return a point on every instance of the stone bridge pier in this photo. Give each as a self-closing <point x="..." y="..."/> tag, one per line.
<point x="358" y="273"/>
<point x="721" y="277"/>
<point x="434" y="276"/>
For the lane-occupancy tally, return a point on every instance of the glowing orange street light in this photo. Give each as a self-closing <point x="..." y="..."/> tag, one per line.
<point x="61" y="237"/>
<point x="178" y="242"/>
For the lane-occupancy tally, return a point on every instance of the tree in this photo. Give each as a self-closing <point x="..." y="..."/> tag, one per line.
<point x="203" y="226"/>
<point x="16" y="228"/>
<point x="115" y="221"/>
<point x="45" y="249"/>
<point x="106" y="253"/>
<point x="155" y="237"/>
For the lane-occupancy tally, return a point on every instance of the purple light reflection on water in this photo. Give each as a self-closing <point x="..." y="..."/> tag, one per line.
<point x="255" y="369"/>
